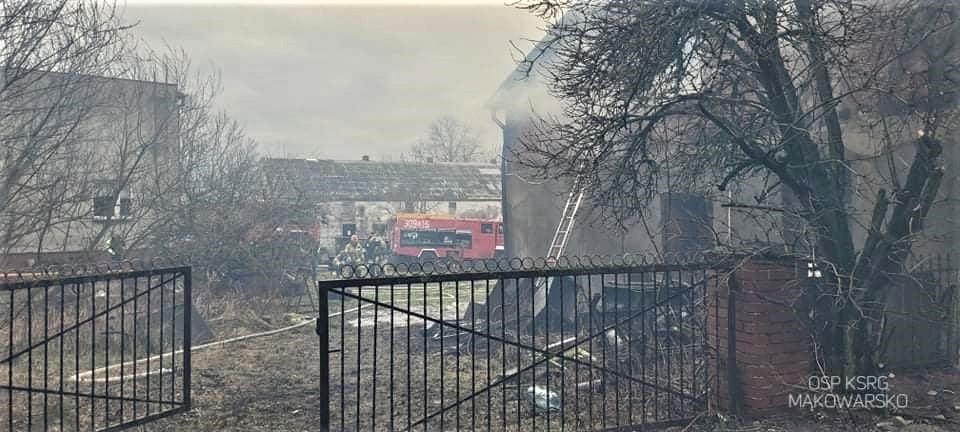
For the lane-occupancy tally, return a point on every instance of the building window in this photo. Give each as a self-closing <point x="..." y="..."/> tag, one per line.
<point x="452" y="206"/>
<point x="103" y="207"/>
<point x="486" y="228"/>
<point x="108" y="204"/>
<point x="687" y="222"/>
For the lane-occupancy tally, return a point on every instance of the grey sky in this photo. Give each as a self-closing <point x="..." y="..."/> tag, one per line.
<point x="340" y="82"/>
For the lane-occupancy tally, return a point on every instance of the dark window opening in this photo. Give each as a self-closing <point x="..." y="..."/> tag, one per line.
<point x="486" y="228"/>
<point x="103" y="206"/>
<point x="500" y="229"/>
<point x="349" y="229"/>
<point x="688" y="221"/>
<point x="108" y="203"/>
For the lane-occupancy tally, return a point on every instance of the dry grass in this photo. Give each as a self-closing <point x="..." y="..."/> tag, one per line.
<point x="270" y="384"/>
<point x="76" y="328"/>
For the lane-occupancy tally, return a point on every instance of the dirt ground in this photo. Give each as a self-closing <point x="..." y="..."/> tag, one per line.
<point x="270" y="384"/>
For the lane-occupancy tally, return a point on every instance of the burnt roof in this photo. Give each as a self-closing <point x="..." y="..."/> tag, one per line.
<point x="339" y="181"/>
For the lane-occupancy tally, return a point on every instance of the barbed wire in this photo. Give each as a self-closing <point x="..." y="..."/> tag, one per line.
<point x="454" y="266"/>
<point x="58" y="271"/>
<point x="440" y="266"/>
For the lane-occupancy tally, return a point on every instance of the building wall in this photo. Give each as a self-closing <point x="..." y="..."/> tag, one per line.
<point x="532" y="208"/>
<point x="128" y="130"/>
<point x="532" y="211"/>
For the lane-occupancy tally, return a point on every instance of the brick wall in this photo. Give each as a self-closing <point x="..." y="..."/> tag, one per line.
<point x="773" y="351"/>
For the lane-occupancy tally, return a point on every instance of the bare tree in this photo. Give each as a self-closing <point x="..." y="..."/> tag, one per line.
<point x="50" y="51"/>
<point x="450" y="140"/>
<point x="211" y="198"/>
<point x="702" y="96"/>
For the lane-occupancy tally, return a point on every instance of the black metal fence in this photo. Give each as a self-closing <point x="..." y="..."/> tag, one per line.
<point x="922" y="316"/>
<point x="102" y="351"/>
<point x="601" y="345"/>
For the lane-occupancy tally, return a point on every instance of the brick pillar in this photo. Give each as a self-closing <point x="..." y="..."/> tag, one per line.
<point x="773" y="353"/>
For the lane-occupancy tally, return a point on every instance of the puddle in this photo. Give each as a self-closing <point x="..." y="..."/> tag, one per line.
<point x="368" y="316"/>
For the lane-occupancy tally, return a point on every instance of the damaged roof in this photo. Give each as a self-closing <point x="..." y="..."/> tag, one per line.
<point x="338" y="181"/>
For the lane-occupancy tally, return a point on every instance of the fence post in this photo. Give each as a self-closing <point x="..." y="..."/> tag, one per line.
<point x="187" y="333"/>
<point x="323" y="330"/>
<point x="733" y="371"/>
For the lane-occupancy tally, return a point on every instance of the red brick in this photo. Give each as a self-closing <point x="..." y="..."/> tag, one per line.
<point x="773" y="349"/>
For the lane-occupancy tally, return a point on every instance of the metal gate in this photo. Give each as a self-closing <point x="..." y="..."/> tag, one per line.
<point x="530" y="345"/>
<point x="94" y="352"/>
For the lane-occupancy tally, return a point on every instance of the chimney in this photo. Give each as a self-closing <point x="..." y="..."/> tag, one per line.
<point x="365" y="158"/>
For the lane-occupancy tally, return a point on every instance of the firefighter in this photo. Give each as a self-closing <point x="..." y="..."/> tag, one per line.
<point x="116" y="248"/>
<point x="352" y="253"/>
<point x="376" y="249"/>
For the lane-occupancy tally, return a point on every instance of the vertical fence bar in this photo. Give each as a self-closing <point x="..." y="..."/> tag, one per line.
<point x="78" y="288"/>
<point x="62" y="337"/>
<point x="533" y="342"/>
<point x="123" y="344"/>
<point x="393" y="305"/>
<point x="187" y="336"/>
<point x="440" y="327"/>
<point x="409" y="357"/>
<point x="46" y="346"/>
<point x="136" y="336"/>
<point x="456" y="319"/>
<point x="147" y="344"/>
<point x="473" y="355"/>
<point x="29" y="358"/>
<point x="323" y="335"/>
<point x="503" y="349"/>
<point x="10" y="366"/>
<point x="425" y="362"/>
<point x="163" y="348"/>
<point x="576" y="366"/>
<point x="342" y="354"/>
<point x="106" y="357"/>
<point x="93" y="354"/>
<point x="376" y="339"/>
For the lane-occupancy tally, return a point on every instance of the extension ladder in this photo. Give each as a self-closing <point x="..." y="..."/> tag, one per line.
<point x="570" y="210"/>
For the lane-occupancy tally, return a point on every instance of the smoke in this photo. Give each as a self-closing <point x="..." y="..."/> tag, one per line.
<point x="339" y="82"/>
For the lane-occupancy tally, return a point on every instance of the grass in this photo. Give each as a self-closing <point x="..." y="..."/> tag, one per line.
<point x="86" y="327"/>
<point x="450" y="294"/>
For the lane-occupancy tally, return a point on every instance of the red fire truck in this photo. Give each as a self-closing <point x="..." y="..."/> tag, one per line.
<point x="420" y="237"/>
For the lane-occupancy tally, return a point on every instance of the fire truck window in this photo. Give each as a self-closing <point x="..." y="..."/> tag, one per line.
<point x="447" y="238"/>
<point x="465" y="240"/>
<point x="486" y="228"/>
<point x="500" y="229"/>
<point x="417" y="238"/>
